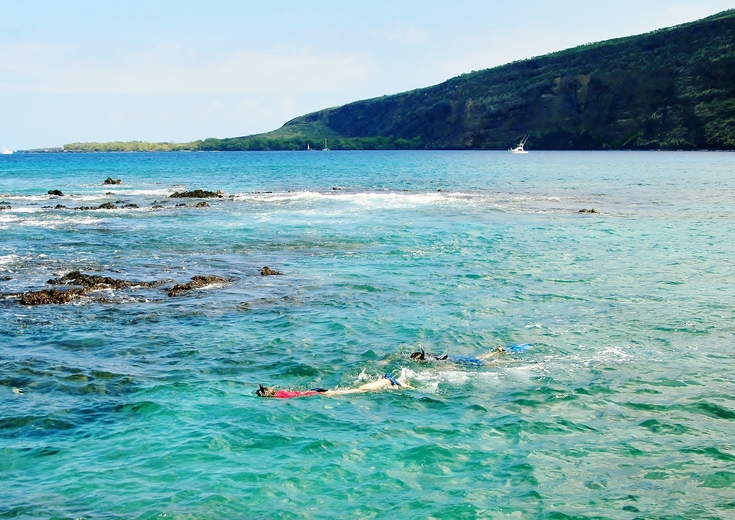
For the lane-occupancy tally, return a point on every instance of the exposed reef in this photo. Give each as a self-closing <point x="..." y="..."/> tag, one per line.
<point x="196" y="282"/>
<point x="106" y="205"/>
<point x="267" y="271"/>
<point x="52" y="296"/>
<point x="78" y="284"/>
<point x="99" y="282"/>
<point x="195" y="194"/>
<point x="110" y="180"/>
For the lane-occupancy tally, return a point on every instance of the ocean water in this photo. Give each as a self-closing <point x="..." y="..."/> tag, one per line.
<point x="135" y="404"/>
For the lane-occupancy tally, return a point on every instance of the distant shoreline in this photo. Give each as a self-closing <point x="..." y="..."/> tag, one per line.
<point x="59" y="150"/>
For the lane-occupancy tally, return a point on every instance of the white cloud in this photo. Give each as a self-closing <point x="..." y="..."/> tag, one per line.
<point x="68" y="70"/>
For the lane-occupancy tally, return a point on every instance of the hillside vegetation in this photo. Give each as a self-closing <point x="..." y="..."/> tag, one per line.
<point x="670" y="89"/>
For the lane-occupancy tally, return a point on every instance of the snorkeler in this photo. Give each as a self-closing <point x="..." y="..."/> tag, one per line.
<point x="482" y="359"/>
<point x="387" y="381"/>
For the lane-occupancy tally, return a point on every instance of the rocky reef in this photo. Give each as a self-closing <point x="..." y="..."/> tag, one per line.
<point x="77" y="284"/>
<point x="196" y="282"/>
<point x="267" y="271"/>
<point x="195" y="194"/>
<point x="99" y="282"/>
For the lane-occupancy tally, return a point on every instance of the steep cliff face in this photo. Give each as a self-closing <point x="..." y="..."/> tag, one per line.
<point x="671" y="89"/>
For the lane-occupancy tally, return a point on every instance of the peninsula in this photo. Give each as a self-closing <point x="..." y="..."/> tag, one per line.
<point x="671" y="89"/>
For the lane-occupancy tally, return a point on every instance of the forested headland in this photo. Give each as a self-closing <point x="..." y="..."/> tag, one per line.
<point x="670" y="89"/>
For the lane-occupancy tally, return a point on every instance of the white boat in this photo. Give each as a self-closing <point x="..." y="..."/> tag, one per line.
<point x="5" y="151"/>
<point x="326" y="148"/>
<point x="521" y="146"/>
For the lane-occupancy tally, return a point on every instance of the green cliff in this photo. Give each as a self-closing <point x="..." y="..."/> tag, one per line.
<point x="670" y="89"/>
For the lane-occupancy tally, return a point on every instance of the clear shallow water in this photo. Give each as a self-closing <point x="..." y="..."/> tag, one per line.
<point x="145" y="406"/>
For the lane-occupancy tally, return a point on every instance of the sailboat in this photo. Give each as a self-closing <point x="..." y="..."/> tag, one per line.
<point x="520" y="148"/>
<point x="326" y="148"/>
<point x="5" y="151"/>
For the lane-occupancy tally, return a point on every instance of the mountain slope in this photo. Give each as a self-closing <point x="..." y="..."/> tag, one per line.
<point x="670" y="89"/>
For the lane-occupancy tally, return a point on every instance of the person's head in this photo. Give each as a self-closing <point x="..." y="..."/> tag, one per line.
<point x="499" y="349"/>
<point x="419" y="356"/>
<point x="265" y="391"/>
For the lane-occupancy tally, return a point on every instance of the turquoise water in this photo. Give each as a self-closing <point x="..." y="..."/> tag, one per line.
<point x="143" y="405"/>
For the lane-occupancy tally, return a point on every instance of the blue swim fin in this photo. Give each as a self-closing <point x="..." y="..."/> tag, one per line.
<point x="519" y="348"/>
<point x="393" y="380"/>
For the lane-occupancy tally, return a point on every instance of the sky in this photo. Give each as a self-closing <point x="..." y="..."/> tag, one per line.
<point x="179" y="70"/>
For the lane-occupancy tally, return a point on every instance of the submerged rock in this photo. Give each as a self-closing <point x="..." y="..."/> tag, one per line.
<point x="201" y="204"/>
<point x="110" y="180"/>
<point x="55" y="192"/>
<point x="196" y="283"/>
<point x="194" y="194"/>
<point x="585" y="210"/>
<point x="106" y="205"/>
<point x="267" y="271"/>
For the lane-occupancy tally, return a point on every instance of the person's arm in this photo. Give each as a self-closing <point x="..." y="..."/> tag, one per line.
<point x="372" y="386"/>
<point x="498" y="351"/>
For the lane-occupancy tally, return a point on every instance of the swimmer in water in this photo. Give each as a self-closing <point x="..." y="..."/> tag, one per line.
<point x="482" y="359"/>
<point x="387" y="381"/>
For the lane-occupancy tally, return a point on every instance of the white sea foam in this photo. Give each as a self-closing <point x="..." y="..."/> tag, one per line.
<point x="56" y="222"/>
<point x="371" y="199"/>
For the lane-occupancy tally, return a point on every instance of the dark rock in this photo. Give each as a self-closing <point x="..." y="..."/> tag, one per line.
<point x="585" y="210"/>
<point x="6" y="278"/>
<point x="201" y="204"/>
<point x="267" y="271"/>
<point x="60" y="206"/>
<point x="194" y="194"/>
<point x="51" y="296"/>
<point x="335" y="188"/>
<point x="196" y="283"/>
<point x="82" y="285"/>
<point x="4" y="206"/>
<point x="110" y="180"/>
<point x="106" y="205"/>
<point x="84" y="208"/>
<point x="131" y="206"/>
<point x="55" y="192"/>
<point x="98" y="282"/>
